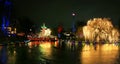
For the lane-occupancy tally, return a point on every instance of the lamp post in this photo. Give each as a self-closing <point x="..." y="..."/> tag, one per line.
<point x="73" y="23"/>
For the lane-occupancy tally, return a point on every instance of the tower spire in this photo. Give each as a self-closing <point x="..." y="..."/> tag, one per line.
<point x="73" y="23"/>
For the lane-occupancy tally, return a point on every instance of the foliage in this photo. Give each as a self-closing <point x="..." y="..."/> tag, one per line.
<point x="100" y="29"/>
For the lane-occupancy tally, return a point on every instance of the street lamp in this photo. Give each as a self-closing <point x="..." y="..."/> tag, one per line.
<point x="73" y="14"/>
<point x="73" y="25"/>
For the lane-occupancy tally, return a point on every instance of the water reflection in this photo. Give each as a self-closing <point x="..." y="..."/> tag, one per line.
<point x="59" y="52"/>
<point x="11" y="54"/>
<point x="103" y="54"/>
<point x="46" y="49"/>
<point x="3" y="55"/>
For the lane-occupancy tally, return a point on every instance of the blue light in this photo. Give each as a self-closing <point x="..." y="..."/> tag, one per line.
<point x="3" y="55"/>
<point x="73" y="28"/>
<point x="73" y="25"/>
<point x="59" y="35"/>
<point x="7" y="3"/>
<point x="7" y="22"/>
<point x="3" y="22"/>
<point x="6" y="16"/>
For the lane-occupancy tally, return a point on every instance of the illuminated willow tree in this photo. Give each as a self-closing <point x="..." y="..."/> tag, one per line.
<point x="100" y="29"/>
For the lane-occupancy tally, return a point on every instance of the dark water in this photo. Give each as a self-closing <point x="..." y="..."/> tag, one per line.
<point x="59" y="53"/>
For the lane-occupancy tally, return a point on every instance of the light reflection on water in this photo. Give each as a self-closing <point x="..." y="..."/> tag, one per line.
<point x="60" y="53"/>
<point x="46" y="49"/>
<point x="104" y="54"/>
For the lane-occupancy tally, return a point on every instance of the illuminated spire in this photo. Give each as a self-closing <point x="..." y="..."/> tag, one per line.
<point x="43" y="26"/>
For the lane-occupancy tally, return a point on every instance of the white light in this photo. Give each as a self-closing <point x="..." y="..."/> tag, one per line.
<point x="73" y="14"/>
<point x="30" y="29"/>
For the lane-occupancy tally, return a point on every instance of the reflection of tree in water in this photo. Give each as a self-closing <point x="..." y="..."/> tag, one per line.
<point x="118" y="57"/>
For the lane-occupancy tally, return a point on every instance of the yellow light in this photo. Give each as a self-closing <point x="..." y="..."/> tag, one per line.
<point x="45" y="48"/>
<point x="12" y="32"/>
<point x="102" y="53"/>
<point x="9" y="28"/>
<point x="30" y="44"/>
<point x="98" y="29"/>
<point x="45" y="45"/>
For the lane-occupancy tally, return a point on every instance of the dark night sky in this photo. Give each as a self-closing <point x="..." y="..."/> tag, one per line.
<point x="54" y="12"/>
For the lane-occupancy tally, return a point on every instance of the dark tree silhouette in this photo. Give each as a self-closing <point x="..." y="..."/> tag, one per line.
<point x="25" y="24"/>
<point x="80" y="23"/>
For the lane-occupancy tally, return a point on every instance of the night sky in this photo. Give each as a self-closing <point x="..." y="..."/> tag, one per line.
<point x="55" y="12"/>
